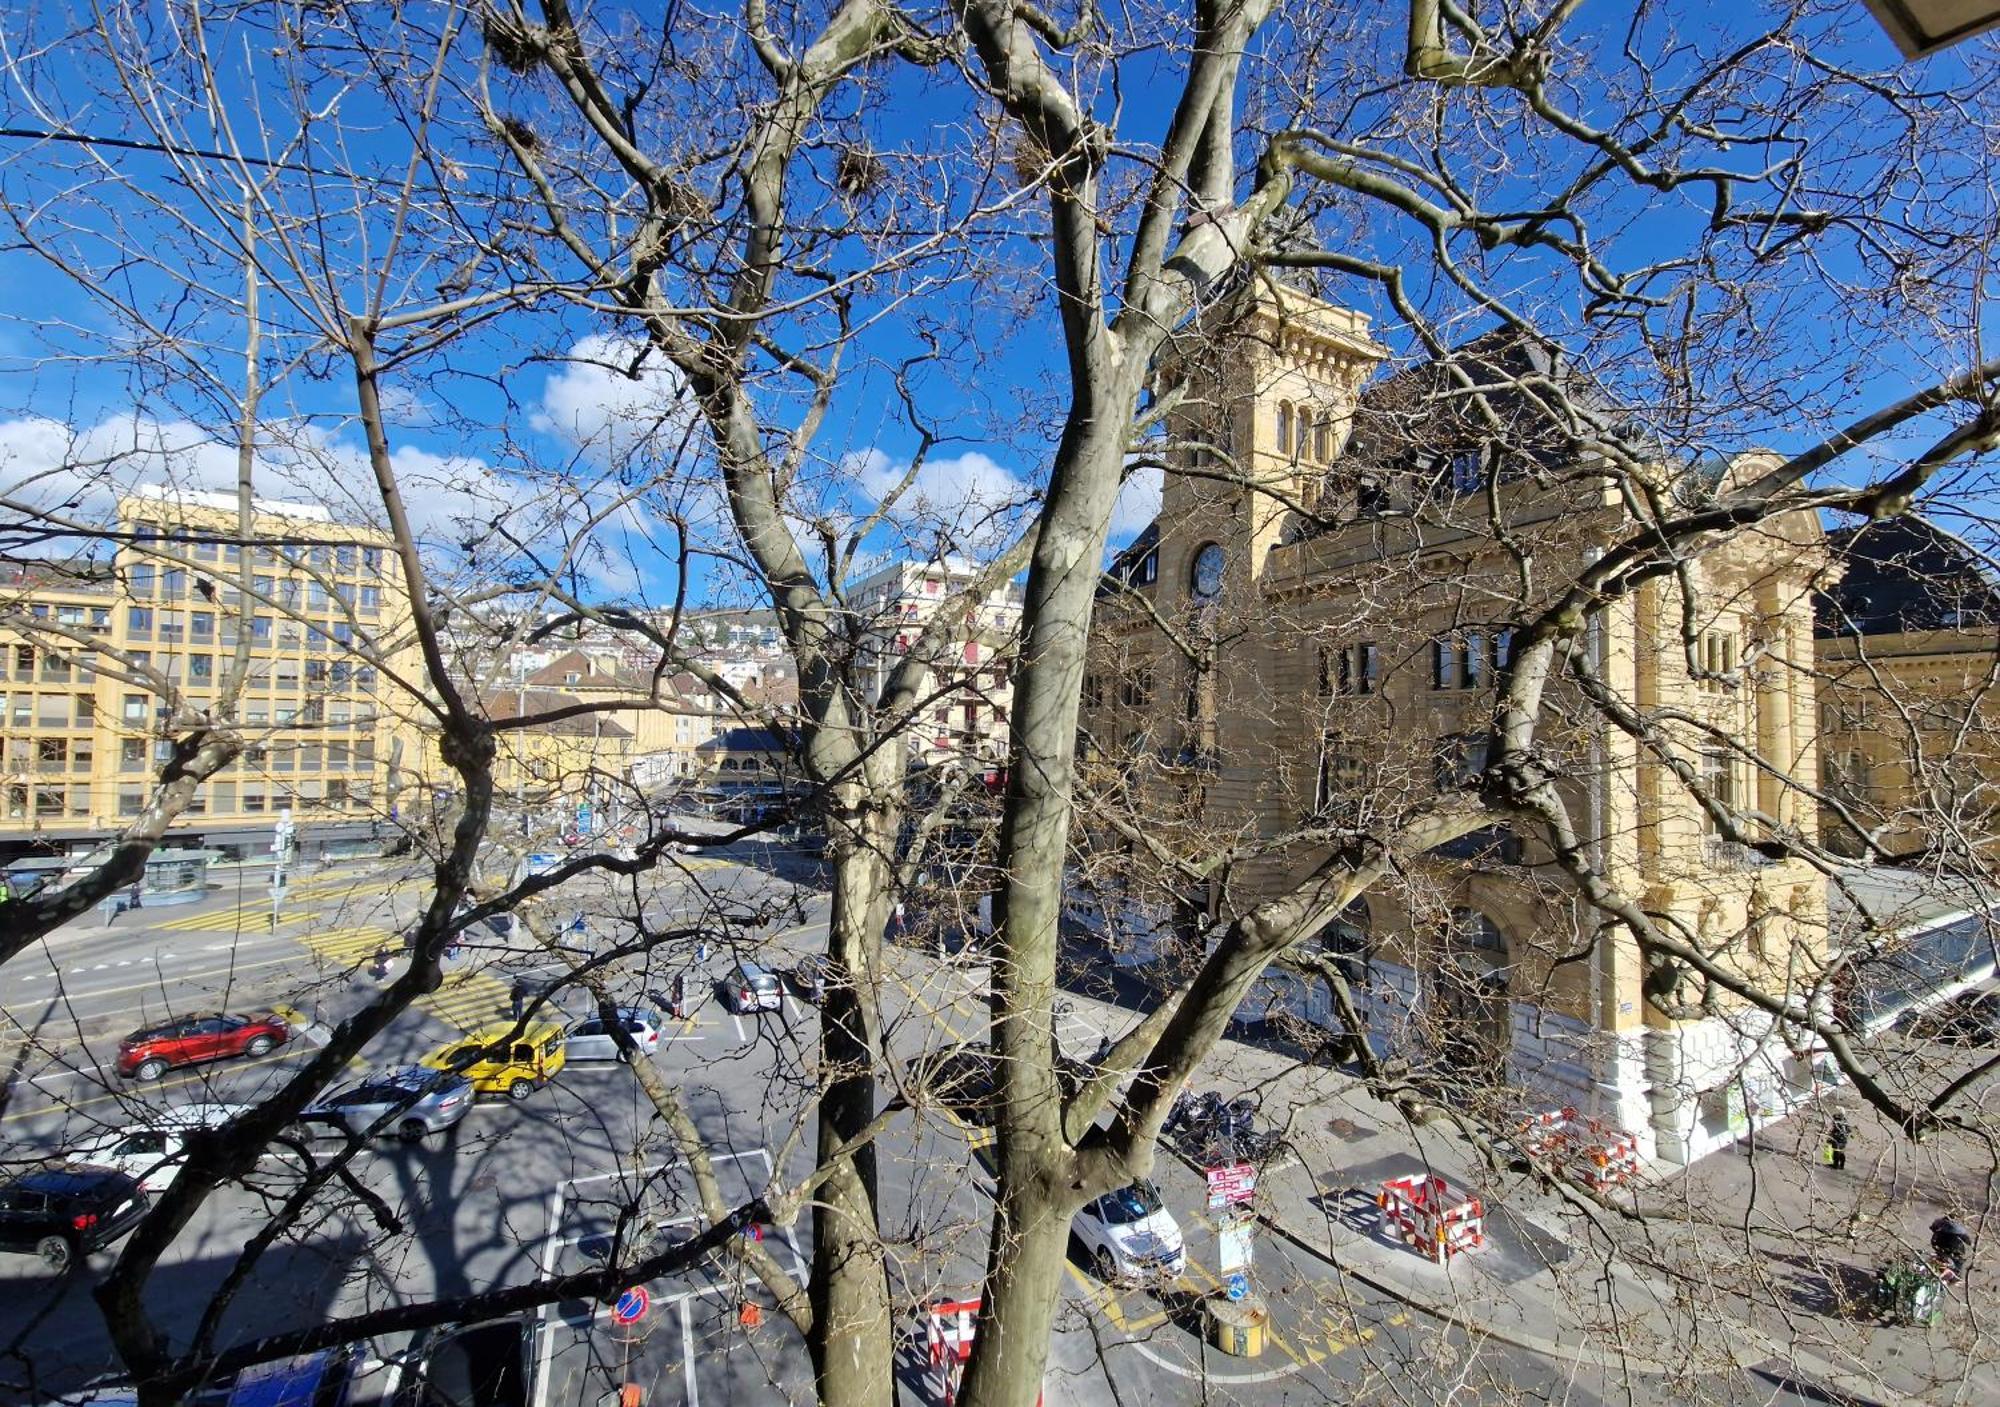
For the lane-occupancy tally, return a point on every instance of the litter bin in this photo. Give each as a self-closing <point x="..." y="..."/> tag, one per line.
<point x="1237" y="1327"/>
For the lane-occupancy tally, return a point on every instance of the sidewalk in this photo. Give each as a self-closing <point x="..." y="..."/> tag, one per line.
<point x="1580" y="1284"/>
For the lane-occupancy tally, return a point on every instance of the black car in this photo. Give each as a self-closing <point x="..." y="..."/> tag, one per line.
<point x="473" y="1365"/>
<point x="63" y="1214"/>
<point x="1970" y="1018"/>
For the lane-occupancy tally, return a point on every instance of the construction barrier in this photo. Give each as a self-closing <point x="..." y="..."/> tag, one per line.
<point x="1583" y="1147"/>
<point x="1427" y="1213"/>
<point x="948" y="1332"/>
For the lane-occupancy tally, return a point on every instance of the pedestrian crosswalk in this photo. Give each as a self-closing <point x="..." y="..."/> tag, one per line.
<point x="343" y="887"/>
<point x="349" y="947"/>
<point x="252" y="918"/>
<point x="467" y="1000"/>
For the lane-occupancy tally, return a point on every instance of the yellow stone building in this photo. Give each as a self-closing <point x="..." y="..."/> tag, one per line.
<point x="1909" y="653"/>
<point x="1347" y="621"/>
<point x="97" y="655"/>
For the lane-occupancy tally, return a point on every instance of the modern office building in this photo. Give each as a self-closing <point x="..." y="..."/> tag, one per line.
<point x="295" y="632"/>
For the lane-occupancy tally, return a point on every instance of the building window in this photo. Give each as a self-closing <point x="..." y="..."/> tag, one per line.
<point x="173" y="583"/>
<point x="1466" y="469"/>
<point x="139" y="622"/>
<point x="1135" y="690"/>
<point x="1460" y="761"/>
<point x="201" y="626"/>
<point x="371" y="600"/>
<point x="131" y="798"/>
<point x="201" y="670"/>
<point x="260" y="630"/>
<point x="139" y="581"/>
<point x="1323" y="440"/>
<point x="1342" y="776"/>
<point x="1093" y="691"/>
<point x="135" y="708"/>
<point x="1349" y="670"/>
<point x="1718" y="779"/>
<point x="1719" y="652"/>
<point x="1284" y="428"/>
<point x="343" y="557"/>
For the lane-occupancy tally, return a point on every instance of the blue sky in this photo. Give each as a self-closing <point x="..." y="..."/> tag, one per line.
<point x="500" y="431"/>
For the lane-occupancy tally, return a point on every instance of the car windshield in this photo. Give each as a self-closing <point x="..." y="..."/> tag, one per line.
<point x="1130" y="1204"/>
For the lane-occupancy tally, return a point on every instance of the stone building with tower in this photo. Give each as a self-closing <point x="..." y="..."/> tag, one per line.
<point x="1307" y="642"/>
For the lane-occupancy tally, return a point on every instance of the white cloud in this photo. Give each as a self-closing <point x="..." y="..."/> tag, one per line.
<point x="966" y="502"/>
<point x="1138" y="504"/>
<point x="594" y="407"/>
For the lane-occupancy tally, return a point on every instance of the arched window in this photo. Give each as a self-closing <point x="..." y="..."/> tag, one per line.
<point x="1305" y="433"/>
<point x="1284" y="428"/>
<point x="1323" y="440"/>
<point x="1349" y="942"/>
<point x="1472" y="931"/>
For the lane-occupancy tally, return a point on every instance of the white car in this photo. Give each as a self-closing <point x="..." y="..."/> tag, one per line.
<point x="590" y="1040"/>
<point x="151" y="1152"/>
<point x="1130" y="1235"/>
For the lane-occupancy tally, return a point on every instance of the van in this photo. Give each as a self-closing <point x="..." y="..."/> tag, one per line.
<point x="750" y="988"/>
<point x="499" y="1062"/>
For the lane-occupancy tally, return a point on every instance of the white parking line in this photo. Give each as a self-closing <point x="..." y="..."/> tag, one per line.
<point x="741" y="1035"/>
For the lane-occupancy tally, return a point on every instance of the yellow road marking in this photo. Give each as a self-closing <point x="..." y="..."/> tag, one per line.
<point x="252" y="918"/>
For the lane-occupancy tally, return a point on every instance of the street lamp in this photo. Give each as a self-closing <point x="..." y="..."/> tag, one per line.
<point x="1922" y="27"/>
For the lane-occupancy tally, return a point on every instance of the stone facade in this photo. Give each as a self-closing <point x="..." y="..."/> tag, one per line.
<point x="1345" y="567"/>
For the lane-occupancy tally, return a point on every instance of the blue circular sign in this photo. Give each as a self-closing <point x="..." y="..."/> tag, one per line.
<point x="1237" y="1286"/>
<point x="632" y="1305"/>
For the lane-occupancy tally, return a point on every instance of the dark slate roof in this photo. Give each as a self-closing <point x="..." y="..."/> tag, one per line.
<point x="1125" y="565"/>
<point x="1902" y="573"/>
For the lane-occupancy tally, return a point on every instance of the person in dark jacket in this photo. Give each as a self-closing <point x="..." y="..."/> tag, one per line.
<point x="1951" y="1243"/>
<point x="1837" y="1134"/>
<point x="517" y="998"/>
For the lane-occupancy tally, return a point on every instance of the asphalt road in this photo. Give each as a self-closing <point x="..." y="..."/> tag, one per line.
<point x="519" y="1189"/>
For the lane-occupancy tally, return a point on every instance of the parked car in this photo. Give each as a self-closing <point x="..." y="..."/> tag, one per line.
<point x="960" y="1077"/>
<point x="1130" y="1235"/>
<point x="1970" y="1018"/>
<point x="150" y="1152"/>
<point x="474" y="1365"/>
<point x="63" y="1214"/>
<point x="323" y="1379"/>
<point x="499" y="1062"/>
<point x="591" y="1039"/>
<point x="750" y="988"/>
<point x="809" y="977"/>
<point x="188" y="1040"/>
<point x="409" y="1099"/>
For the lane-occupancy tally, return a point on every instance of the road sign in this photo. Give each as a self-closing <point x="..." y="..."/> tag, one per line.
<point x="1231" y="1185"/>
<point x="1237" y="1286"/>
<point x="632" y="1305"/>
<point x="1232" y="1242"/>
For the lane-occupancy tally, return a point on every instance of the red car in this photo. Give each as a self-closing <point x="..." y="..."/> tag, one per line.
<point x="188" y="1040"/>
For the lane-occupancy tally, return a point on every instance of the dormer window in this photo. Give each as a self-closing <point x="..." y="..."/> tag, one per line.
<point x="1467" y="470"/>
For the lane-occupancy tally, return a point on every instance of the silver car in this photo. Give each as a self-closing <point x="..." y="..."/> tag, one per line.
<point x="591" y="1040"/>
<point x="408" y="1100"/>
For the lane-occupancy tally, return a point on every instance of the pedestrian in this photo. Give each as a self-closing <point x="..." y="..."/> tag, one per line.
<point x="1951" y="1243"/>
<point x="379" y="969"/>
<point x="1837" y="1134"/>
<point x="133" y="895"/>
<point x="517" y="998"/>
<point x="680" y="997"/>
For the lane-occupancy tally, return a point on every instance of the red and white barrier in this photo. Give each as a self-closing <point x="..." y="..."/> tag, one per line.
<point x="1431" y="1216"/>
<point x="1595" y="1153"/>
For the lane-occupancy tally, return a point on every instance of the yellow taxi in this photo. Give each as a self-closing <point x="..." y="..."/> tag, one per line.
<point x="498" y="1061"/>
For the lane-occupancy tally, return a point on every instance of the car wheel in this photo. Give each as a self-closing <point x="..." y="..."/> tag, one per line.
<point x="149" y="1070"/>
<point x="520" y="1090"/>
<point x="412" y="1131"/>
<point x="259" y="1045"/>
<point x="1106" y="1265"/>
<point x="56" y="1253"/>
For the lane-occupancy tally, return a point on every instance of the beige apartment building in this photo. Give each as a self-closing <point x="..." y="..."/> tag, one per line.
<point x="96" y="655"/>
<point x="1322" y="653"/>
<point x="962" y="721"/>
<point x="1909" y="653"/>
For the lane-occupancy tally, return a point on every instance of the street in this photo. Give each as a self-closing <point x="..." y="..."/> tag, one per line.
<point x="522" y="1188"/>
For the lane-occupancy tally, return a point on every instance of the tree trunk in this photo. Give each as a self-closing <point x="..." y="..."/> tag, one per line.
<point x="1039" y="1186"/>
<point x="853" y="1337"/>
